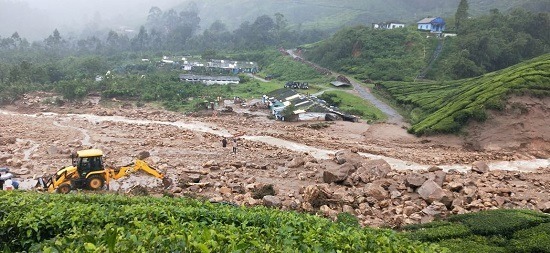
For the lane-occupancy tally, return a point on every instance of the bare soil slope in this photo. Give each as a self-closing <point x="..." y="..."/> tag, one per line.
<point x="523" y="127"/>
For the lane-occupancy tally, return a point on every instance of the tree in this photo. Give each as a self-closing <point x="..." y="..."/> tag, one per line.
<point x="141" y="41"/>
<point x="54" y="41"/>
<point x="461" y="14"/>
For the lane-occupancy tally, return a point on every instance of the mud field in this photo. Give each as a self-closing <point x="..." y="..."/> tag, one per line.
<point x="378" y="172"/>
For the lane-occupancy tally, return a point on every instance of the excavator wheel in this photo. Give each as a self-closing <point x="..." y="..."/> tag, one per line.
<point x="64" y="188"/>
<point x="95" y="182"/>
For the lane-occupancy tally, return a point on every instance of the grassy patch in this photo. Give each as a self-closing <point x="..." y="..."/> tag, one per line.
<point x="357" y="106"/>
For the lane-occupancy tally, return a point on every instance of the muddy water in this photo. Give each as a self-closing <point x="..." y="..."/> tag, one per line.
<point x="28" y="152"/>
<point x="85" y="141"/>
<point x="397" y="164"/>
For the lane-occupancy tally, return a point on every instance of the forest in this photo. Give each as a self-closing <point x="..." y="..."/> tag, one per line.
<point x="69" y="65"/>
<point x="483" y="44"/>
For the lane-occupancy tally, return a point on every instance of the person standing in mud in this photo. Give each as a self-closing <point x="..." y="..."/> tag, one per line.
<point x="224" y="142"/>
<point x="235" y="146"/>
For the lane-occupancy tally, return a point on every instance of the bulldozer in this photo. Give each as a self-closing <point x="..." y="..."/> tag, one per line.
<point x="89" y="172"/>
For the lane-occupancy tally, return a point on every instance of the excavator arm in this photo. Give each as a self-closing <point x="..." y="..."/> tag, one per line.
<point x="138" y="165"/>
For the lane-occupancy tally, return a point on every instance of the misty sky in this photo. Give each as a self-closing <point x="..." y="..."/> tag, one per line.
<point x="36" y="19"/>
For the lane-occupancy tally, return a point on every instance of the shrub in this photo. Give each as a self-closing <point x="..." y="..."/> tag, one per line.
<point x="440" y="231"/>
<point x="536" y="239"/>
<point x="500" y="222"/>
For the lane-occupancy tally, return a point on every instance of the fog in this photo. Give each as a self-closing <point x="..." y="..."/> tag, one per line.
<point x="36" y="19"/>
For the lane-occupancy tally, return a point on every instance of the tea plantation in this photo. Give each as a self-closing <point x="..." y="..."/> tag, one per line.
<point x="488" y="231"/>
<point x="445" y="107"/>
<point x="36" y="222"/>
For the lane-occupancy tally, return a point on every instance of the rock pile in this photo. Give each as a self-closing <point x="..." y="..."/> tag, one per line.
<point x="372" y="191"/>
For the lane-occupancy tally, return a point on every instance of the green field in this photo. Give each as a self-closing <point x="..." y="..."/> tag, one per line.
<point x="445" y="107"/>
<point x="355" y="105"/>
<point x="36" y="222"/>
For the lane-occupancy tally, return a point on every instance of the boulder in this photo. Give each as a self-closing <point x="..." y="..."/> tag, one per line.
<point x="209" y="164"/>
<point x="317" y="195"/>
<point x="348" y="209"/>
<point x="262" y="191"/>
<point x="372" y="170"/>
<point x="545" y="207"/>
<point x="408" y="210"/>
<point x="434" y="169"/>
<point x="296" y="162"/>
<point x="376" y="191"/>
<point x="415" y="180"/>
<point x="225" y="190"/>
<point x="439" y="177"/>
<point x="430" y="191"/>
<point x="347" y="156"/>
<point x="435" y="209"/>
<point x="327" y="211"/>
<point x="143" y="154"/>
<point x="337" y="175"/>
<point x="455" y="186"/>
<point x="177" y="189"/>
<point x="480" y="167"/>
<point x="271" y="201"/>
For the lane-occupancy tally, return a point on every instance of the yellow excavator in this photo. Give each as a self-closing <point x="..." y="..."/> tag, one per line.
<point x="88" y="172"/>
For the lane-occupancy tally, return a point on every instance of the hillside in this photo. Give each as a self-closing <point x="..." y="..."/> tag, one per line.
<point x="326" y="14"/>
<point x="367" y="53"/>
<point x="446" y="107"/>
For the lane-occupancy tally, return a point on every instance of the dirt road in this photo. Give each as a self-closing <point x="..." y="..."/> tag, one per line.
<point x="393" y="116"/>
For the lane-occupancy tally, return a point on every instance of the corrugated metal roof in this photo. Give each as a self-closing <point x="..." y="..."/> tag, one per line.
<point x="425" y="20"/>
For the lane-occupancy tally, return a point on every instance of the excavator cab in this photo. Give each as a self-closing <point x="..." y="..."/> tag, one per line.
<point x="87" y="161"/>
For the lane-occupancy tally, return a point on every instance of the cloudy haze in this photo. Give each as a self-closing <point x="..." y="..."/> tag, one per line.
<point x="36" y="19"/>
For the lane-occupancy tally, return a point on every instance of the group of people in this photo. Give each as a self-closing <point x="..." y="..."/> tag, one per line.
<point x="234" y="144"/>
<point x="6" y="181"/>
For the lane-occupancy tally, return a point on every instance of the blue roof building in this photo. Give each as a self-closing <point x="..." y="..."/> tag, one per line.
<point x="434" y="25"/>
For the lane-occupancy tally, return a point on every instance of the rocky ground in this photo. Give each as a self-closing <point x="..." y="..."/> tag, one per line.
<point x="379" y="173"/>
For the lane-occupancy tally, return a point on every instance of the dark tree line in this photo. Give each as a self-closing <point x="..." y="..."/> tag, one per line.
<point x="171" y="31"/>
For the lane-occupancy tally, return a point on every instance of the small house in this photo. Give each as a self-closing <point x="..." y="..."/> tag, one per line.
<point x="434" y="25"/>
<point x="388" y="25"/>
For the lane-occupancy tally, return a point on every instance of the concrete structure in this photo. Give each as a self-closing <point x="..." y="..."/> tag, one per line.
<point x="388" y="25"/>
<point x="210" y="80"/>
